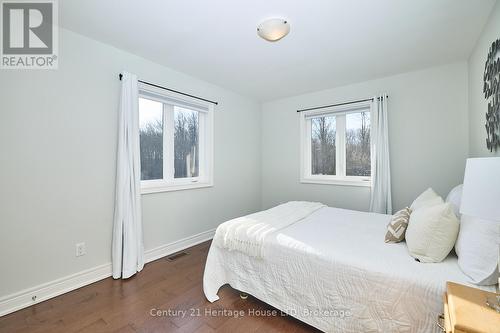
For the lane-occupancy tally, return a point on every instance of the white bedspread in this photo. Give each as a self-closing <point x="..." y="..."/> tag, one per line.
<point x="247" y="233"/>
<point x="333" y="271"/>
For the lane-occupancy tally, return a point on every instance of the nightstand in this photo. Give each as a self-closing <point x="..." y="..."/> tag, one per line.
<point x="465" y="311"/>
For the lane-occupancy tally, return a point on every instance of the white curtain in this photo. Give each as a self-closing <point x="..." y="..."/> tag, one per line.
<point x="381" y="201"/>
<point x="128" y="247"/>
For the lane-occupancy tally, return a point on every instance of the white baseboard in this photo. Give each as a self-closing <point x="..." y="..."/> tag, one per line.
<point x="37" y="294"/>
<point x="165" y="250"/>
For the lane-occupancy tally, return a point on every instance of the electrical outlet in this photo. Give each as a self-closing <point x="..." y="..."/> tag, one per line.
<point x="80" y="249"/>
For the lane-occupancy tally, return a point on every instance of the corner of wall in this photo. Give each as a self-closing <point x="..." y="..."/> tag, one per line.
<point x="261" y="138"/>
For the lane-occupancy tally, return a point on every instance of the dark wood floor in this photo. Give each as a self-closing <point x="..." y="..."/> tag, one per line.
<point x="126" y="305"/>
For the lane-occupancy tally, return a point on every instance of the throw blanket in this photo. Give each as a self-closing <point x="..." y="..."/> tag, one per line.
<point x="247" y="233"/>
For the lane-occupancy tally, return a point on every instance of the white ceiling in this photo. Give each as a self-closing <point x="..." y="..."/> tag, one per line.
<point x="331" y="43"/>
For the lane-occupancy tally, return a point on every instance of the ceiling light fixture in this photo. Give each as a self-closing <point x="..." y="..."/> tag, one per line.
<point x="273" y="29"/>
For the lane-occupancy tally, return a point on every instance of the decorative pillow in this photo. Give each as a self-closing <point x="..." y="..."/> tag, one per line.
<point x="432" y="232"/>
<point x="455" y="198"/>
<point x="397" y="227"/>
<point x="477" y="249"/>
<point x="427" y="198"/>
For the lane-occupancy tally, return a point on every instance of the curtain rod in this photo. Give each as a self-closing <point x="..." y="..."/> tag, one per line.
<point x="172" y="90"/>
<point x="339" y="104"/>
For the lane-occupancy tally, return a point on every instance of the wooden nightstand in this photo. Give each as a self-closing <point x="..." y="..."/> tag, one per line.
<point x="465" y="311"/>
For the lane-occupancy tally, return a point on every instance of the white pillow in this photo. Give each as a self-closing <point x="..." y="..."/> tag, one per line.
<point x="432" y="232"/>
<point x="477" y="249"/>
<point x="455" y="198"/>
<point x="427" y="198"/>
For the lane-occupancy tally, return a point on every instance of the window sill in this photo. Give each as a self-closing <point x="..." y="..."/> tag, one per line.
<point x="176" y="187"/>
<point x="341" y="182"/>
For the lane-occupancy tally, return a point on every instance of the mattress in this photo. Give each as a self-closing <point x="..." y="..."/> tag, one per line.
<point x="333" y="271"/>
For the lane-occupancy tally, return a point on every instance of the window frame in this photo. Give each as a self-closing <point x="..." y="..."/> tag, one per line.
<point x="205" y="141"/>
<point x="340" y="178"/>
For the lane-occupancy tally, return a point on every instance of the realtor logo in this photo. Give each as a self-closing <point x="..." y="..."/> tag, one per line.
<point x="29" y="34"/>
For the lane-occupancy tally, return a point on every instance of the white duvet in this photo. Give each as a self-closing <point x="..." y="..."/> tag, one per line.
<point x="333" y="271"/>
<point x="247" y="233"/>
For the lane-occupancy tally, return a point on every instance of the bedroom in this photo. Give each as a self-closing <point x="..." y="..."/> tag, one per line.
<point x="70" y="194"/>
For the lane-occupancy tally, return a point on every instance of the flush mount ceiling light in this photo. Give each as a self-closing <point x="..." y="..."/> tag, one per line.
<point x="273" y="29"/>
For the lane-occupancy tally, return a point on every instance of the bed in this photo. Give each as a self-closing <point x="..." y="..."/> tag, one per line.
<point x="332" y="270"/>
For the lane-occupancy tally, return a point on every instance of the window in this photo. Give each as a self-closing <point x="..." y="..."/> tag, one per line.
<point x="336" y="145"/>
<point x="175" y="141"/>
<point x="357" y="144"/>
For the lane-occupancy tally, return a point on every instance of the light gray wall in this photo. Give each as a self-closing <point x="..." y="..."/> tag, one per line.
<point x="428" y="136"/>
<point x="58" y="143"/>
<point x="477" y="104"/>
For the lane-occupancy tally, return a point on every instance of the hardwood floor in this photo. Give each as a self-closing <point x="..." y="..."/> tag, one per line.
<point x="127" y="305"/>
